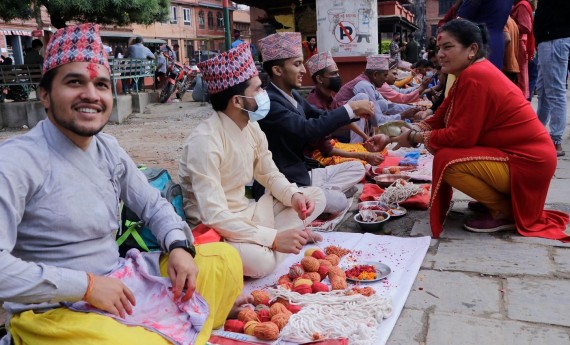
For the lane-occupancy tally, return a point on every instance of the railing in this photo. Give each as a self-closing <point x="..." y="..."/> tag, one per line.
<point x="130" y="69"/>
<point x="25" y="76"/>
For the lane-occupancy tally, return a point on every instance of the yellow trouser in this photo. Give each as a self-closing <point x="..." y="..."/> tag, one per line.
<point x="488" y="182"/>
<point x="449" y="83"/>
<point x="402" y="83"/>
<point x="220" y="281"/>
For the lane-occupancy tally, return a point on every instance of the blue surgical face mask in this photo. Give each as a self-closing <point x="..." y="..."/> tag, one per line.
<point x="262" y="100"/>
<point x="429" y="74"/>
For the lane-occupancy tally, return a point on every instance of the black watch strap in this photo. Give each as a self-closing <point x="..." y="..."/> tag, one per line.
<point x="184" y="244"/>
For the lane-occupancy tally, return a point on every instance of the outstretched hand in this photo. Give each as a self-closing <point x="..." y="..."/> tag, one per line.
<point x="362" y="108"/>
<point x="377" y="143"/>
<point x="402" y="139"/>
<point x="410" y="113"/>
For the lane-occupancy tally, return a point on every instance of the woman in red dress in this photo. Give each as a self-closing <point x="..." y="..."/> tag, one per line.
<point x="488" y="143"/>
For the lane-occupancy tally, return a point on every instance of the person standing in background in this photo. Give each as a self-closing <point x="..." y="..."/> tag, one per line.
<point x="33" y="57"/>
<point x="237" y="39"/>
<point x="310" y="47"/>
<point x="395" y="49"/>
<point x="510" y="65"/>
<point x="532" y="63"/>
<point x="412" y="51"/>
<point x="137" y="50"/>
<point x="176" y="49"/>
<point x="522" y="15"/>
<point x="494" y="15"/>
<point x="552" y="34"/>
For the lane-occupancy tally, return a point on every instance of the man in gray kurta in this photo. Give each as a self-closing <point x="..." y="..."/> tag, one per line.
<point x="60" y="187"/>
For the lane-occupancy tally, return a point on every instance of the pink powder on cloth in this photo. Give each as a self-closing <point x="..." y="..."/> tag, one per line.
<point x="155" y="310"/>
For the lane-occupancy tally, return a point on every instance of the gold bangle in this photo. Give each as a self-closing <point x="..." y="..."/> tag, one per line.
<point x="90" y="280"/>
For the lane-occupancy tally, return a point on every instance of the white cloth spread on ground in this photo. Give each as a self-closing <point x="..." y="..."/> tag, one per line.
<point x="156" y="310"/>
<point x="330" y="224"/>
<point x="403" y="255"/>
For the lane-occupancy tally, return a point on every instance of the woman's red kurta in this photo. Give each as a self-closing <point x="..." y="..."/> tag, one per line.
<point x="486" y="117"/>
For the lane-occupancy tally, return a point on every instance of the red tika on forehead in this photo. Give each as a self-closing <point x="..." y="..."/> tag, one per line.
<point x="92" y="69"/>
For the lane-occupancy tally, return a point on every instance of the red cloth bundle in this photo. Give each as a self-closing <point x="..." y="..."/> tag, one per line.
<point x="203" y="234"/>
<point x="371" y="192"/>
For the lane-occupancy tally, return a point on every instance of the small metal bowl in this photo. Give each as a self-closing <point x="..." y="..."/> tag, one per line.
<point x="373" y="205"/>
<point x="385" y="180"/>
<point x="372" y="226"/>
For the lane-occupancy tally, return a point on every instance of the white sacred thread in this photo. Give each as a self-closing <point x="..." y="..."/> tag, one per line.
<point x="334" y="314"/>
<point x="399" y="191"/>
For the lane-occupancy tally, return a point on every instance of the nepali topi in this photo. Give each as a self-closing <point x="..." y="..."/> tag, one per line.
<point x="76" y="43"/>
<point x="320" y="61"/>
<point x="378" y="62"/>
<point x="228" y="69"/>
<point x="282" y="45"/>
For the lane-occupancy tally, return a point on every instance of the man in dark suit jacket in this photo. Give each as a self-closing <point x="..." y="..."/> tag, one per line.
<point x="292" y="122"/>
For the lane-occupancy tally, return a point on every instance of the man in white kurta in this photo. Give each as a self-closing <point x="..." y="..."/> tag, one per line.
<point x="226" y="152"/>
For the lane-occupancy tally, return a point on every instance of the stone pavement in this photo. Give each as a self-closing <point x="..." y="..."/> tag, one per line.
<point x="492" y="289"/>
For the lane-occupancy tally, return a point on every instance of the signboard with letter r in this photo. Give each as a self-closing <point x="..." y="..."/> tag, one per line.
<point x="347" y="27"/>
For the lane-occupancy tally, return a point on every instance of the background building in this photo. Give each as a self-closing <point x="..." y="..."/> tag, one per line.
<point x="435" y="10"/>
<point x="197" y="26"/>
<point x="241" y="22"/>
<point x="17" y="35"/>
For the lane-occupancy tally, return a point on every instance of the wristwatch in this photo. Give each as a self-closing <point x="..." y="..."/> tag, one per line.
<point x="184" y="244"/>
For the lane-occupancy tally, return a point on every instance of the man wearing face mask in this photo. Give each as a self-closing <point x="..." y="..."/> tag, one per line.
<point x="229" y="150"/>
<point x="326" y="150"/>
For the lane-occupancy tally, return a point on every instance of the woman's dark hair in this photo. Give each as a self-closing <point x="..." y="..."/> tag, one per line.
<point x="220" y="100"/>
<point x="47" y="79"/>
<point x="268" y="66"/>
<point x="467" y="33"/>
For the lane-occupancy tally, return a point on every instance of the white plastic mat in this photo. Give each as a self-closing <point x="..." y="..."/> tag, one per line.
<point x="403" y="255"/>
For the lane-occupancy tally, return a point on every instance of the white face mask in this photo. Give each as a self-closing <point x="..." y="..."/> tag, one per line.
<point x="263" y="103"/>
<point x="429" y="74"/>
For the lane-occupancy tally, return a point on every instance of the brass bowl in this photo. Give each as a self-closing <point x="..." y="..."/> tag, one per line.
<point x="385" y="180"/>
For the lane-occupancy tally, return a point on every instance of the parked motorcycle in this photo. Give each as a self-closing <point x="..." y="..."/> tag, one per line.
<point x="175" y="79"/>
<point x="189" y="77"/>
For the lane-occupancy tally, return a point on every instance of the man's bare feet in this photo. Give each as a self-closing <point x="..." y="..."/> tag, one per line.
<point x="241" y="300"/>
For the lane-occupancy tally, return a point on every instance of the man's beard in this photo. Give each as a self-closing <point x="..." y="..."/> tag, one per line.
<point x="72" y="127"/>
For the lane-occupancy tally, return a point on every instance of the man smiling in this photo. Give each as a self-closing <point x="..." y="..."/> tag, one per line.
<point x="292" y="122"/>
<point x="60" y="187"/>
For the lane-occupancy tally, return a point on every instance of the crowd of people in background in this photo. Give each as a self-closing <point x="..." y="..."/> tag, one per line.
<point x="515" y="41"/>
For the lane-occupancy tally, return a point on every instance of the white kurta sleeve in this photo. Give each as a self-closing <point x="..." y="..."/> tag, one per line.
<point x="202" y="157"/>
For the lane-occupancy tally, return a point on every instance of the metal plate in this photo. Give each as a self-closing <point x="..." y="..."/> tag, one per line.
<point x="397" y="212"/>
<point x="382" y="271"/>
